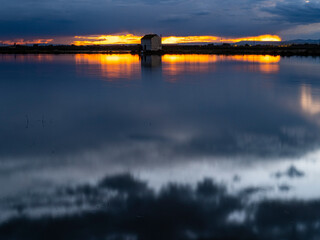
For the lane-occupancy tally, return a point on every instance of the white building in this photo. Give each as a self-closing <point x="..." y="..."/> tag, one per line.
<point x="151" y="42"/>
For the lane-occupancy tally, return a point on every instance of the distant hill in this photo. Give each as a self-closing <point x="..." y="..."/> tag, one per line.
<point x="303" y="41"/>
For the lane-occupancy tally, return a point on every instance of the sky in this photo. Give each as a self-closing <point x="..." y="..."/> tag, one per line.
<point x="60" y="20"/>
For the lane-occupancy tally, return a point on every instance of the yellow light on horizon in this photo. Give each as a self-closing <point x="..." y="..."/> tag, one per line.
<point x="215" y="39"/>
<point x="107" y="39"/>
<point x="135" y="39"/>
<point x="261" y="38"/>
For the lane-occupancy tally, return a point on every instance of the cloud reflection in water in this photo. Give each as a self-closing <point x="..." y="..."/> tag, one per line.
<point x="123" y="207"/>
<point x="200" y="155"/>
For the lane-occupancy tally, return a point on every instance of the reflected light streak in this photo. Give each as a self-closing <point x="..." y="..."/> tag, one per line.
<point x="308" y="103"/>
<point x="177" y="64"/>
<point x="269" y="68"/>
<point x="118" y="66"/>
<point x="112" y="66"/>
<point x="135" y="39"/>
<point x="174" y="65"/>
<point x="178" y="58"/>
<point x="255" y="58"/>
<point x="189" y="58"/>
<point x="267" y="63"/>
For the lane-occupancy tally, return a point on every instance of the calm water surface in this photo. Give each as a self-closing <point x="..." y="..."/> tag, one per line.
<point x="172" y="147"/>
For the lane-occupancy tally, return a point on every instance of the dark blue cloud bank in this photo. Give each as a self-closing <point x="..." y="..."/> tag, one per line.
<point x="30" y="18"/>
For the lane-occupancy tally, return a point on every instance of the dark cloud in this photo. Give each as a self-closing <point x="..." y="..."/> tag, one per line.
<point x="284" y="188"/>
<point x="174" y="19"/>
<point x="170" y="17"/>
<point x="175" y="212"/>
<point x="253" y="190"/>
<point x="202" y="13"/>
<point x="294" y="219"/>
<point x="291" y="172"/>
<point x="124" y="183"/>
<point x="293" y="12"/>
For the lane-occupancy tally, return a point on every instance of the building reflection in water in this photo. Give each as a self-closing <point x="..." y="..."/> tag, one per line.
<point x="151" y="61"/>
<point x="151" y="68"/>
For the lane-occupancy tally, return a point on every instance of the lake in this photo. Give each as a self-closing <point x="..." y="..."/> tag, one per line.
<point x="96" y="146"/>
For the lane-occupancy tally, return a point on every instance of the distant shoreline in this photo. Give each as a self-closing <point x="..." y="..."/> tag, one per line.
<point x="292" y="50"/>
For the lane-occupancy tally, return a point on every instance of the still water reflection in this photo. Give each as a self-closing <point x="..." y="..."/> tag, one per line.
<point x="171" y="147"/>
<point x="111" y="67"/>
<point x="128" y="67"/>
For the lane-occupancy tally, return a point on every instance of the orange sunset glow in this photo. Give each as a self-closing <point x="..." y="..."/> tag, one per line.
<point x="24" y="42"/>
<point x="134" y="39"/>
<point x="209" y="39"/>
<point x="107" y="39"/>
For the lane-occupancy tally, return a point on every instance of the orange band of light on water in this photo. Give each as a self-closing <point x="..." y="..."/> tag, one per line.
<point x="127" y="66"/>
<point x="133" y="39"/>
<point x="196" y="58"/>
<point x="180" y="63"/>
<point x="254" y="58"/>
<point x="112" y="66"/>
<point x="116" y="59"/>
